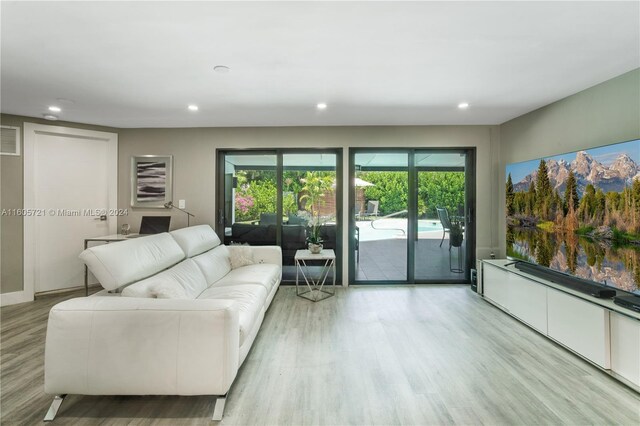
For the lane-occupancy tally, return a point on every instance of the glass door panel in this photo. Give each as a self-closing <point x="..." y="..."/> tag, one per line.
<point x="308" y="198"/>
<point x="250" y="198"/>
<point x="381" y="205"/>
<point x="440" y="243"/>
<point x="271" y="197"/>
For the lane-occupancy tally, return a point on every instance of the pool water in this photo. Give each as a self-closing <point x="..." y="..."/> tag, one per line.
<point x="429" y="226"/>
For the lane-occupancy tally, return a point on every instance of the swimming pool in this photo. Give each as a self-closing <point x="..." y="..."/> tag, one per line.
<point x="386" y="229"/>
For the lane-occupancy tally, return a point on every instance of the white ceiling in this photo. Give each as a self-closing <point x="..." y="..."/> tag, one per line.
<point x="140" y="64"/>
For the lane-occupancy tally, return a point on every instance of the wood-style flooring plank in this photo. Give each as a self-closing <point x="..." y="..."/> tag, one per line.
<point x="371" y="355"/>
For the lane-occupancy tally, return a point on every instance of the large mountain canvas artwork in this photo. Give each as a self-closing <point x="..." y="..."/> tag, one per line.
<point x="579" y="213"/>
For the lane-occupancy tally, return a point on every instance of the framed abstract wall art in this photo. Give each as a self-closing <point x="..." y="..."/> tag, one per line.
<point x="151" y="180"/>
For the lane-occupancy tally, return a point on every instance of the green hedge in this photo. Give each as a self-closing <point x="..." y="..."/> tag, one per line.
<point x="435" y="189"/>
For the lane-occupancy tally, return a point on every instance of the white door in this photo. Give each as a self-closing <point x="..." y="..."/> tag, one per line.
<point x="70" y="181"/>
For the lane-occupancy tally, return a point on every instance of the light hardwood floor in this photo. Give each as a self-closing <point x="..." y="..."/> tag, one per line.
<point x="371" y="355"/>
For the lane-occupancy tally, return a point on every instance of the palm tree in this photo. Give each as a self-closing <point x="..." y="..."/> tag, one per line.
<point x="315" y="187"/>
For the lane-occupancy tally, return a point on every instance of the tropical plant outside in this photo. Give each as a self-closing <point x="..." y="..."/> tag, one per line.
<point x="303" y="192"/>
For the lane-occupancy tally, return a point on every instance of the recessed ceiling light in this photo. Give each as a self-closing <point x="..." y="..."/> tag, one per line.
<point x="55" y="109"/>
<point x="321" y="105"/>
<point x="193" y="107"/>
<point x="463" y="105"/>
<point x="221" y="69"/>
<point x="50" y="117"/>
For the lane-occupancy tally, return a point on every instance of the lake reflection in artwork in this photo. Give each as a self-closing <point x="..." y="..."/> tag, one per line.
<point x="580" y="256"/>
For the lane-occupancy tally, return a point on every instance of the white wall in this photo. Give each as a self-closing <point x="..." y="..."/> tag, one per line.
<point x="194" y="162"/>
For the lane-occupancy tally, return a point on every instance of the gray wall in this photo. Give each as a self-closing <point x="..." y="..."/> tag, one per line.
<point x="194" y="161"/>
<point x="601" y="115"/>
<point x="11" y="197"/>
<point x="606" y="113"/>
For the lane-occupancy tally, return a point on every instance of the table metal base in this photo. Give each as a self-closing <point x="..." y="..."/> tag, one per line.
<point x="315" y="294"/>
<point x="315" y="286"/>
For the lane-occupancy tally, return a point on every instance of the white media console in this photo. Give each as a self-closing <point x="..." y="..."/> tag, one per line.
<point x="597" y="330"/>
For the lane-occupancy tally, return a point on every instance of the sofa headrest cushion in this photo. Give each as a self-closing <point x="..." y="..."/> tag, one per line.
<point x="196" y="239"/>
<point x="183" y="281"/>
<point x="121" y="263"/>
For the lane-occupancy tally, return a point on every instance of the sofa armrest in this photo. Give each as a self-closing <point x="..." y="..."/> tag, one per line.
<point x="133" y="346"/>
<point x="267" y="254"/>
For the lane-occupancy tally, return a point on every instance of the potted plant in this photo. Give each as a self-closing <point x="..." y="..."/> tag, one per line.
<point x="456" y="233"/>
<point x="314" y="240"/>
<point x="315" y="186"/>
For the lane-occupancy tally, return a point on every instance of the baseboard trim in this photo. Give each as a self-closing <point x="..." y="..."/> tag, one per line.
<point x="15" y="298"/>
<point x="64" y="290"/>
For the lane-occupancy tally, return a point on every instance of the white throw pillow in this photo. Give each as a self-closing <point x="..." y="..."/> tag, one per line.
<point x="168" y="291"/>
<point x="240" y="256"/>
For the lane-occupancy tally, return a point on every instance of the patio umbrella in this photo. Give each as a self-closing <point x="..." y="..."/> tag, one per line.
<point x="360" y="182"/>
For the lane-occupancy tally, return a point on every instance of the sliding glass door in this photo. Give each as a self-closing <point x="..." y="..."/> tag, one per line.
<point x="440" y="241"/>
<point x="309" y="185"/>
<point x="412" y="215"/>
<point x="272" y="197"/>
<point x="381" y="210"/>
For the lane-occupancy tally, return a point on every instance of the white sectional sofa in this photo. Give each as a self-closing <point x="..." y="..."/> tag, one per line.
<point x="174" y="318"/>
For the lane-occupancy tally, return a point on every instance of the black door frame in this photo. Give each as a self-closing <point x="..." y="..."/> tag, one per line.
<point x="220" y="154"/>
<point x="412" y="207"/>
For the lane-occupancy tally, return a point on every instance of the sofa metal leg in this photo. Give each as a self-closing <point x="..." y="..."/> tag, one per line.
<point x="53" y="409"/>
<point x="218" y="409"/>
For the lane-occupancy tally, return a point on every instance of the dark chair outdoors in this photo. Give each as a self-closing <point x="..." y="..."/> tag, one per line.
<point x="294" y="219"/>
<point x="267" y="218"/>
<point x="294" y="237"/>
<point x="255" y="235"/>
<point x="328" y="234"/>
<point x="443" y="215"/>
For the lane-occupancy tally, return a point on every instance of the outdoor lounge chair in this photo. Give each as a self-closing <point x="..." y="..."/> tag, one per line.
<point x="372" y="209"/>
<point x="443" y="215"/>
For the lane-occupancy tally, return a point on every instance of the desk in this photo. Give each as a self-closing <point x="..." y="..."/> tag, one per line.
<point x="315" y="286"/>
<point x="105" y="239"/>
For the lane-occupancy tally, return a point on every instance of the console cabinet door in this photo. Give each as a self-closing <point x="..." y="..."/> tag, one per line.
<point x="625" y="347"/>
<point x="496" y="284"/>
<point x="528" y="302"/>
<point x="580" y="326"/>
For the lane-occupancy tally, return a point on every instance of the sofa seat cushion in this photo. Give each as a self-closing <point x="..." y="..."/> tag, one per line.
<point x="264" y="274"/>
<point x="250" y="299"/>
<point x="183" y="281"/>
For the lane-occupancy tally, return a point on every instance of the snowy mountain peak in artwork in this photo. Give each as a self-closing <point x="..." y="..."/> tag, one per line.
<point x="588" y="170"/>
